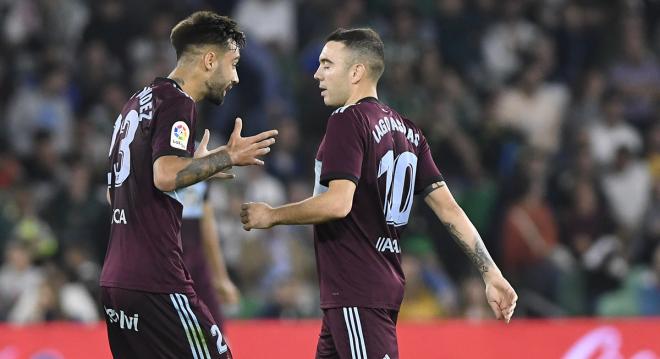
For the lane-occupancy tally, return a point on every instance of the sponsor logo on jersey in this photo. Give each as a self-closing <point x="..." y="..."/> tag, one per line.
<point x="119" y="216"/>
<point x="125" y="321"/>
<point x="384" y="244"/>
<point x="180" y="134"/>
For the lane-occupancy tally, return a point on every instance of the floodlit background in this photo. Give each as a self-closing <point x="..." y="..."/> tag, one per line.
<point x="542" y="115"/>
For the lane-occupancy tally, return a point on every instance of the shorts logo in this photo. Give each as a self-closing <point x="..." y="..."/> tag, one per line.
<point x="180" y="134"/>
<point x="386" y="356"/>
<point x="125" y="322"/>
<point x="112" y="314"/>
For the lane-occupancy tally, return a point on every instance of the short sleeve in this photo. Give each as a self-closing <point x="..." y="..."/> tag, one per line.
<point x="427" y="171"/>
<point x="343" y="148"/>
<point x="173" y="132"/>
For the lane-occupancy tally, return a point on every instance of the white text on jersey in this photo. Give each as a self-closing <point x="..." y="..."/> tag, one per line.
<point x="388" y="124"/>
<point x="388" y="244"/>
<point x="146" y="103"/>
<point x="119" y="216"/>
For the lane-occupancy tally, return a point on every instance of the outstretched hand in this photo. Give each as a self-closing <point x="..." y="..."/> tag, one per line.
<point x="244" y="151"/>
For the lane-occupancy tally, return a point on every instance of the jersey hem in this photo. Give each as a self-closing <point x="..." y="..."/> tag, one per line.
<point x="170" y="152"/>
<point x="150" y="289"/>
<point x="426" y="189"/>
<point x="361" y="305"/>
<point x="325" y="180"/>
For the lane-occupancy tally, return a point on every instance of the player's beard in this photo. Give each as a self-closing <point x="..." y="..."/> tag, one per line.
<point x="215" y="93"/>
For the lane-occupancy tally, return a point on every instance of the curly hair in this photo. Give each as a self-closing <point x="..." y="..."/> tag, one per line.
<point x="205" y="27"/>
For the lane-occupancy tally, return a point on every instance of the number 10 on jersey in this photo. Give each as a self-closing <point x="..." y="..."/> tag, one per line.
<point x="399" y="186"/>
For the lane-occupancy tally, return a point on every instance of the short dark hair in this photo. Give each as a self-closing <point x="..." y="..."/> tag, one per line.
<point x="365" y="42"/>
<point x="203" y="28"/>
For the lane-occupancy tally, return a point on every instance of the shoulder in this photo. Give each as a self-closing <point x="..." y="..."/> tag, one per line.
<point x="169" y="96"/>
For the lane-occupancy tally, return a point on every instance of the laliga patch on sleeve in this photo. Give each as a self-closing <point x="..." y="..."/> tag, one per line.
<point x="180" y="134"/>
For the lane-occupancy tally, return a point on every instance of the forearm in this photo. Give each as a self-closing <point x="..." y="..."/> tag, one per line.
<point x="465" y="235"/>
<point x="176" y="172"/>
<point x="202" y="168"/>
<point x="313" y="210"/>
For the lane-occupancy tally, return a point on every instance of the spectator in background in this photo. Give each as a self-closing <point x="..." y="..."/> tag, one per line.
<point x="44" y="165"/>
<point x="534" y="107"/>
<point x="649" y="236"/>
<point x="54" y="299"/>
<point x="530" y="233"/>
<point x="28" y="228"/>
<point x="151" y="53"/>
<point x="577" y="42"/>
<point x="46" y="109"/>
<point x="458" y="32"/>
<point x="403" y="46"/>
<point x="96" y="68"/>
<point x="612" y="132"/>
<point x="17" y="275"/>
<point x="430" y="293"/>
<point x="270" y="22"/>
<point x="76" y="213"/>
<point x="587" y="108"/>
<point x="627" y="188"/>
<point x="504" y="42"/>
<point x="637" y="74"/>
<point x="286" y="161"/>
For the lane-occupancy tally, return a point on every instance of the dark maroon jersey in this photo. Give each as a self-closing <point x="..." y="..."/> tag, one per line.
<point x="388" y="158"/>
<point x="144" y="252"/>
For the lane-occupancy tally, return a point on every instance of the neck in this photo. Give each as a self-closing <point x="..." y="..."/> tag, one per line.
<point x="187" y="81"/>
<point x="362" y="92"/>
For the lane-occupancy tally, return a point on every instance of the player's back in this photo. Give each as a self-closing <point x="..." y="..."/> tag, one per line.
<point x="388" y="158"/>
<point x="144" y="252"/>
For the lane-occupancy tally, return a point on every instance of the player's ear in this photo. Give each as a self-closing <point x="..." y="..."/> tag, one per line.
<point x="358" y="71"/>
<point x="210" y="60"/>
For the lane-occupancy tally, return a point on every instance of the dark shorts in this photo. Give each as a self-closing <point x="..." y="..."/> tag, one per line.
<point x="358" y="333"/>
<point x="156" y="325"/>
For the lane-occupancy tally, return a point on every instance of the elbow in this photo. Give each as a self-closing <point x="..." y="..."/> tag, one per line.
<point x="341" y="210"/>
<point x="163" y="183"/>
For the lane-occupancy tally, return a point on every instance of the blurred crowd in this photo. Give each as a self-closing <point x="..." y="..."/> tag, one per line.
<point x="543" y="117"/>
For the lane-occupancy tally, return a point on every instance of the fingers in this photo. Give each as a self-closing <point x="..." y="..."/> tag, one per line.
<point x="264" y="143"/>
<point x="245" y="216"/>
<point x="496" y="309"/>
<point x="223" y="175"/>
<point x="238" y="126"/>
<point x="205" y="139"/>
<point x="264" y="135"/>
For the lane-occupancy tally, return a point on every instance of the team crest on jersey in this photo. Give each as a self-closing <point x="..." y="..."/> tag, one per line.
<point x="180" y="134"/>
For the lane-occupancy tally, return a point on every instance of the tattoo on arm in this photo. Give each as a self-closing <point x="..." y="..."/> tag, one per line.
<point x="200" y="169"/>
<point x="478" y="255"/>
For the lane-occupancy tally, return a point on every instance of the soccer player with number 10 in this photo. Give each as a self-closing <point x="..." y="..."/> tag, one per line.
<point x="369" y="165"/>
